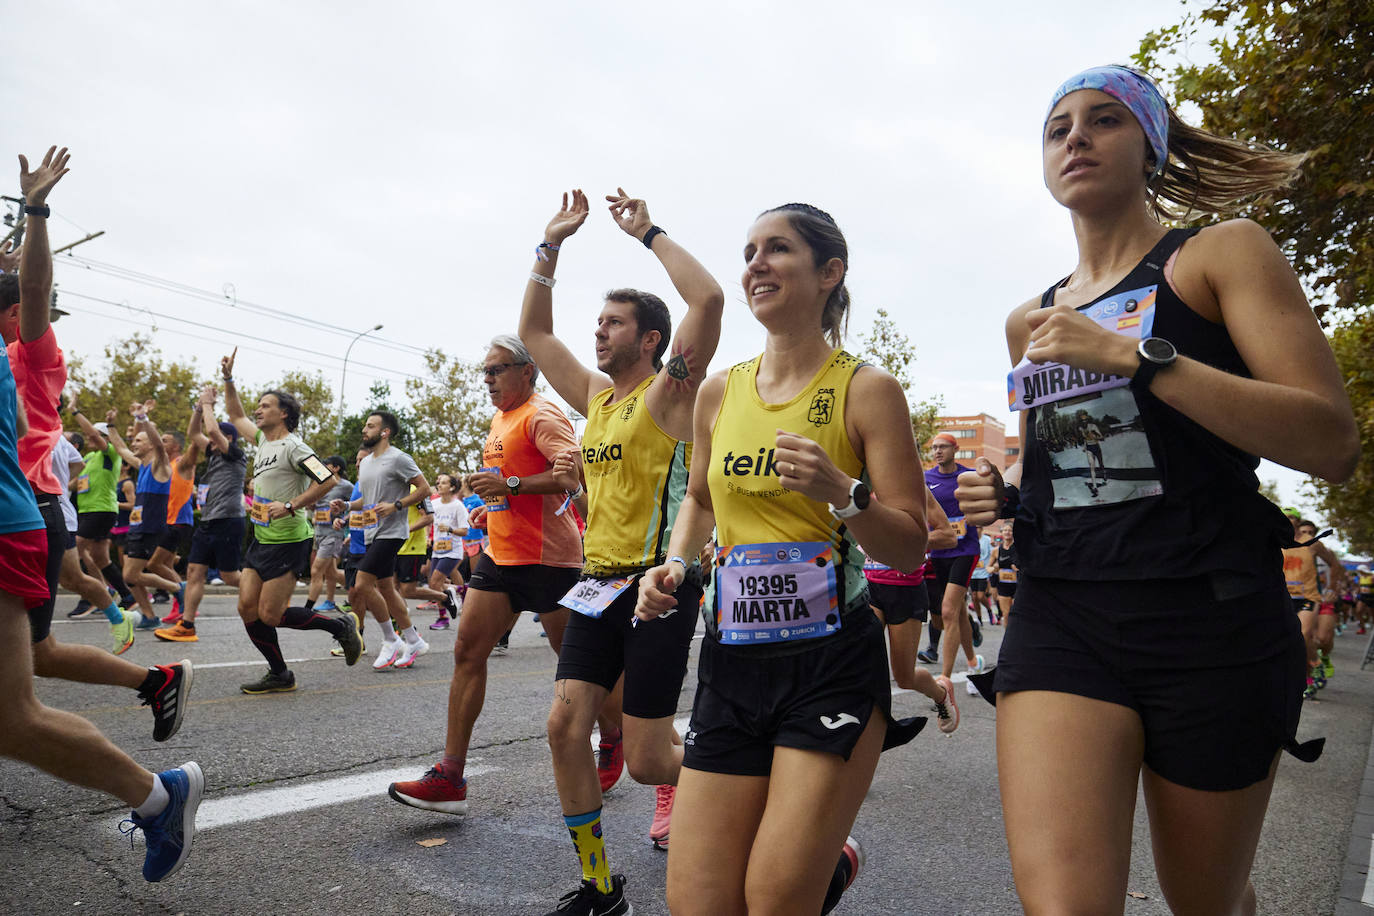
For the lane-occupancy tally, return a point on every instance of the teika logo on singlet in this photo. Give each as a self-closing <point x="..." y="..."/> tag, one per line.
<point x="606" y="451"/>
<point x="749" y="465"/>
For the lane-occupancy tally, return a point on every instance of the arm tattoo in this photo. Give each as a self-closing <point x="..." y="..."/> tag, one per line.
<point x="679" y="369"/>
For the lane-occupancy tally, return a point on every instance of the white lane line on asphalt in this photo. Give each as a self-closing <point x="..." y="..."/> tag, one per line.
<point x="260" y="804"/>
<point x="258" y="661"/>
<point x="1368" y="898"/>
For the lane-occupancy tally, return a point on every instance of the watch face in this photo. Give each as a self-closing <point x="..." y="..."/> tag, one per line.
<point x="862" y="495"/>
<point x="1158" y="350"/>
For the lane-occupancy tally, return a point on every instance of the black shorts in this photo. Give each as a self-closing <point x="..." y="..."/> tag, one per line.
<point x="272" y="561"/>
<point x="140" y="544"/>
<point x="218" y="544"/>
<point x="1006" y="589"/>
<point x="380" y="558"/>
<point x="818" y="700"/>
<point x="1217" y="684"/>
<point x="530" y="588"/>
<point x="978" y="585"/>
<point x="95" y="526"/>
<point x="652" y="655"/>
<point x="1303" y="604"/>
<point x="40" y="617"/>
<point x="949" y="570"/>
<point x="408" y="567"/>
<point x="899" y="603"/>
<point x="176" y="539"/>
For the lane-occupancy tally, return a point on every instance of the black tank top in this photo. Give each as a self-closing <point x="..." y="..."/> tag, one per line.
<point x="1126" y="487"/>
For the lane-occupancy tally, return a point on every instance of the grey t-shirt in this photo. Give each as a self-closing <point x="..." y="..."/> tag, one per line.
<point x="224" y="473"/>
<point x="341" y="490"/>
<point x="386" y="478"/>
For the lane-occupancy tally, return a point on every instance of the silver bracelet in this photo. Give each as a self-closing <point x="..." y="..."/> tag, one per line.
<point x="540" y="278"/>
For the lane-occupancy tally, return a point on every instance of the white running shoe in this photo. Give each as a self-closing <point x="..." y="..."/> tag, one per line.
<point x="391" y="650"/>
<point x="452" y="591"/>
<point x="412" y="651"/>
<point x="970" y="689"/>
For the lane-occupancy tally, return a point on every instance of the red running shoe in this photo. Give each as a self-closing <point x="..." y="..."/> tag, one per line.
<point x="173" y="617"/>
<point x="433" y="792"/>
<point x="610" y="763"/>
<point x="663" y="816"/>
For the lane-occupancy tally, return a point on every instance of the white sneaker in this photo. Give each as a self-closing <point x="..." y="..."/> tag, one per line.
<point x="217" y="581"/>
<point x="970" y="689"/>
<point x="412" y="651"/>
<point x="391" y="650"/>
<point x="979" y="667"/>
<point x="457" y="599"/>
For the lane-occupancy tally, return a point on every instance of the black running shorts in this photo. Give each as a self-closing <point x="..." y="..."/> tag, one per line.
<point x="818" y="700"/>
<point x="1217" y="684"/>
<point x="40" y="617"/>
<point x="140" y="544"/>
<point x="95" y="526"/>
<point x="271" y="561"/>
<point x="652" y="654"/>
<point x="218" y="544"/>
<point x="176" y="539"/>
<point x="949" y="570"/>
<point x="408" y="567"/>
<point x="530" y="588"/>
<point x="1006" y="589"/>
<point x="899" y="603"/>
<point x="978" y="585"/>
<point x="380" y="559"/>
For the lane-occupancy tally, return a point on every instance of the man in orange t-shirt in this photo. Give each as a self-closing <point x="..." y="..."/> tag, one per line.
<point x="533" y="559"/>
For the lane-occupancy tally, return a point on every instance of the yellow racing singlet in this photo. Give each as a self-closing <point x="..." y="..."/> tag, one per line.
<point x="751" y="504"/>
<point x="636" y="478"/>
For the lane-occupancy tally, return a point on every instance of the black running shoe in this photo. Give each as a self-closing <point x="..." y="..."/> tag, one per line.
<point x="83" y="609"/>
<point x="161" y="597"/>
<point x="977" y="631"/>
<point x="271" y="683"/>
<point x="588" y="901"/>
<point x="349" y="640"/>
<point x="168" y="698"/>
<point x="929" y="656"/>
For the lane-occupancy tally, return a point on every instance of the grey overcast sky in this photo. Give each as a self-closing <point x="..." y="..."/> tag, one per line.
<point x="396" y="163"/>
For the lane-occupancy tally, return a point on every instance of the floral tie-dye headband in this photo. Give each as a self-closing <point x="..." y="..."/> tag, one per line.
<point x="1136" y="92"/>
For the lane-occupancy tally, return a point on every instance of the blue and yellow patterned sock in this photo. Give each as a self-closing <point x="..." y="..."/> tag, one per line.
<point x="585" y="830"/>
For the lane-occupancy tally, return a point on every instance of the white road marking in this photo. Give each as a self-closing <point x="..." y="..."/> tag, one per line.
<point x="258" y="661"/>
<point x="1368" y="898"/>
<point x="260" y="804"/>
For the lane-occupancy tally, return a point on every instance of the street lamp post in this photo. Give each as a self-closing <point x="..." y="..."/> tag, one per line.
<point x="343" y="380"/>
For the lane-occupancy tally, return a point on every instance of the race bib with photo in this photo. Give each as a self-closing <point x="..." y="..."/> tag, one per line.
<point x="775" y="592"/>
<point x="590" y="596"/>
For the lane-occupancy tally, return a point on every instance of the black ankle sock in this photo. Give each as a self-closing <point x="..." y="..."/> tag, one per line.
<point x="265" y="638"/>
<point x="152" y="681"/>
<point x="309" y="603"/>
<point x="300" y="618"/>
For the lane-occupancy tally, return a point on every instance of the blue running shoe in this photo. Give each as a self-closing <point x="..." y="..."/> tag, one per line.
<point x="148" y="623"/>
<point x="326" y="605"/>
<point x="168" y="835"/>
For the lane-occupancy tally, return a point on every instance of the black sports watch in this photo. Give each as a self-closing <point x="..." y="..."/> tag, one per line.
<point x="859" y="497"/>
<point x="1155" y="353"/>
<point x="513" y="483"/>
<point x="398" y="505"/>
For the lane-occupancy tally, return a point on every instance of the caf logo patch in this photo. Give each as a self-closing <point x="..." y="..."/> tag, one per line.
<point x="822" y="407"/>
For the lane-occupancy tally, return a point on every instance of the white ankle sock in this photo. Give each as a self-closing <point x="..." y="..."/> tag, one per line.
<point x="411" y="634"/>
<point x="156" y="802"/>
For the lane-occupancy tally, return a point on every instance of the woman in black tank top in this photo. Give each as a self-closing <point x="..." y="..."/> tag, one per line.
<point x="1150" y="642"/>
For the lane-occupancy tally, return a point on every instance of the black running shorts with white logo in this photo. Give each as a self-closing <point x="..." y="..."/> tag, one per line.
<point x="899" y="603"/>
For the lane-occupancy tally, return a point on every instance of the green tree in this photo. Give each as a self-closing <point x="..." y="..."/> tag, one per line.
<point x="886" y="345"/>
<point x="134" y="369"/>
<point x="450" y="414"/>
<point x="1297" y="77"/>
<point x="1349" y="506"/>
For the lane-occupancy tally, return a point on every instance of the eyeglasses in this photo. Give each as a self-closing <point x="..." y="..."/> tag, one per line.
<point x="493" y="371"/>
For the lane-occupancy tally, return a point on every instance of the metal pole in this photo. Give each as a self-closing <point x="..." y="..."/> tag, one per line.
<point x="344" y="378"/>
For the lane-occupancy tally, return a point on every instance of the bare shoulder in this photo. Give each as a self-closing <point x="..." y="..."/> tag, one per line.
<point x="874" y="383"/>
<point x="1234" y="234"/>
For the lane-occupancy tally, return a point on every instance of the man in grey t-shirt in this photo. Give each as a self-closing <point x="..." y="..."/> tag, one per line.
<point x="391" y="482"/>
<point x="218" y="539"/>
<point x="329" y="541"/>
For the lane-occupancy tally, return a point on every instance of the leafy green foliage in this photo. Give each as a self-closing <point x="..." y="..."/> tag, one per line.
<point x="450" y="415"/>
<point x="885" y="345"/>
<point x="1297" y="77"/>
<point x="133" y="369"/>
<point x="1349" y="506"/>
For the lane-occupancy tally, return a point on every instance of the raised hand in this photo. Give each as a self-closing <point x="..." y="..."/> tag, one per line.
<point x="980" y="494"/>
<point x="226" y="365"/>
<point x="568" y="219"/>
<point x="110" y="416"/>
<point x="9" y="256"/>
<point x="208" y="395"/>
<point x="630" y="213"/>
<point x="35" y="185"/>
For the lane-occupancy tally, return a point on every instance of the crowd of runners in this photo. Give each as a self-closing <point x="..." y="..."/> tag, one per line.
<point x="783" y="503"/>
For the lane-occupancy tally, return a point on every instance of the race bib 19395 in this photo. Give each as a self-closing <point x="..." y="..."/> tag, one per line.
<point x="776" y="592"/>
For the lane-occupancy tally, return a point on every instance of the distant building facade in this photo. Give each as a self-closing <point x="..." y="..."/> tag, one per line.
<point x="980" y="436"/>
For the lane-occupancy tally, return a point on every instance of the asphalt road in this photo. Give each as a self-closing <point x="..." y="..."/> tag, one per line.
<point x="297" y="819"/>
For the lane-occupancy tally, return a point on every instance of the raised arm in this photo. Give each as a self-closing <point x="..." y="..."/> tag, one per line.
<point x="143" y="422"/>
<point x="94" y="438"/>
<point x="195" y="444"/>
<point x="117" y="440"/>
<point x="574" y="382"/>
<point x="202" y="419"/>
<point x="246" y="427"/>
<point x="35" y="263"/>
<point x="672" y="395"/>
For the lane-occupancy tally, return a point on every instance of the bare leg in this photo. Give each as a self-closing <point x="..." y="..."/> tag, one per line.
<point x="575" y="705"/>
<point x="957" y="632"/>
<point x="715" y="819"/>
<point x="903" y="639"/>
<point x="486" y="615"/>
<point x="74" y="579"/>
<point x="57" y="742"/>
<point x="85" y="665"/>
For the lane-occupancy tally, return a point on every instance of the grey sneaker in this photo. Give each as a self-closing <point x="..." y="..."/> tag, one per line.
<point x="271" y="683"/>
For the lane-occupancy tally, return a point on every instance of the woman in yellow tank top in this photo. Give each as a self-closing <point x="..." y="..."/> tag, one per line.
<point x="783" y="741"/>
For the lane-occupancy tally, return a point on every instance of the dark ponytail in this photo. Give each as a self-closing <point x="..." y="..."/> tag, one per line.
<point x="820" y="231"/>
